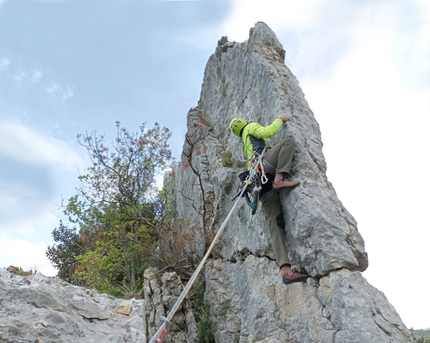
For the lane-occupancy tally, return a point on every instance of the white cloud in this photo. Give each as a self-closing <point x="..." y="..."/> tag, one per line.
<point x="275" y="13"/>
<point x="26" y="219"/>
<point x="24" y="254"/>
<point x="65" y="92"/>
<point x="28" y="224"/>
<point x="4" y="61"/>
<point x="54" y="87"/>
<point x="27" y="145"/>
<point x="374" y="132"/>
<point x="316" y="33"/>
<point x="392" y="14"/>
<point x="405" y="24"/>
<point x="20" y="75"/>
<point x="37" y="74"/>
<point x="159" y="179"/>
<point x="412" y="58"/>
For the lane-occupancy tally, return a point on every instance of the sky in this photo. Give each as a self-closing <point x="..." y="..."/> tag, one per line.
<point x="75" y="66"/>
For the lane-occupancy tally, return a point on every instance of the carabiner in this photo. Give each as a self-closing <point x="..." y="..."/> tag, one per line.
<point x="264" y="179"/>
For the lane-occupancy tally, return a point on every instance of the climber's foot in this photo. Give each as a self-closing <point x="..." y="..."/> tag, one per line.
<point x="301" y="278"/>
<point x="289" y="276"/>
<point x="284" y="184"/>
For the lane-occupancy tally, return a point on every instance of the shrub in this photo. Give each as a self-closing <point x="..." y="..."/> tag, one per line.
<point x="201" y="309"/>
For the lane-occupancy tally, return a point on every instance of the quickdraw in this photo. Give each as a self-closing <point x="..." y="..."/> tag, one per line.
<point x="263" y="177"/>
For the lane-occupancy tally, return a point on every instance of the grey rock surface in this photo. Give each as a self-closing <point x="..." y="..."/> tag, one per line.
<point x="44" y="309"/>
<point x="249" y="302"/>
<point x="250" y="80"/>
<point x="161" y="292"/>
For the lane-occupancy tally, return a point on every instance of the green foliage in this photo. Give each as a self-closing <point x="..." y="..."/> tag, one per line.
<point x="421" y="336"/>
<point x="201" y="308"/>
<point x="121" y="223"/>
<point x="118" y="211"/>
<point x="100" y="270"/>
<point x="63" y="254"/>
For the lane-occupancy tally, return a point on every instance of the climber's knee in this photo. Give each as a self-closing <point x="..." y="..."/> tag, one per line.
<point x="290" y="140"/>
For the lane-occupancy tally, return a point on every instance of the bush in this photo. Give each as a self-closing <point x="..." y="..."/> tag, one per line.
<point x="201" y="309"/>
<point x="424" y="336"/>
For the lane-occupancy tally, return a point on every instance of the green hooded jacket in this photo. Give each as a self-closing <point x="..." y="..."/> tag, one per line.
<point x="255" y="136"/>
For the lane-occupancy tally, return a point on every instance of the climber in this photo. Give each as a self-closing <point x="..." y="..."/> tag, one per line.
<point x="277" y="165"/>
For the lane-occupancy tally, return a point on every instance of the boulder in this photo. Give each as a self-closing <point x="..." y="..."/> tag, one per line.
<point x="37" y="309"/>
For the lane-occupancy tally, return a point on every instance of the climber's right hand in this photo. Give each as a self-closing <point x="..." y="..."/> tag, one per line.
<point x="284" y="117"/>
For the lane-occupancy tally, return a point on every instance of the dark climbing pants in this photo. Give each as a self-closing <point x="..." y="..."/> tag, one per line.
<point x="280" y="156"/>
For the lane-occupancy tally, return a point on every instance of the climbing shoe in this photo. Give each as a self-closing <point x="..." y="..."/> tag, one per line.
<point x="299" y="279"/>
<point x="284" y="184"/>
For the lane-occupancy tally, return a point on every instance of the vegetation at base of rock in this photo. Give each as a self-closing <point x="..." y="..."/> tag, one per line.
<point x="421" y="336"/>
<point x="63" y="254"/>
<point x="119" y="222"/>
<point x="19" y="271"/>
<point x="201" y="309"/>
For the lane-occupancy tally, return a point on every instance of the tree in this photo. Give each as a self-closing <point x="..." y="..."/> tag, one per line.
<point x="116" y="209"/>
<point x="63" y="254"/>
<point x="424" y="336"/>
<point x="126" y="175"/>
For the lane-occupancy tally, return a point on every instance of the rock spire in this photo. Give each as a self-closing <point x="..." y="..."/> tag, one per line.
<point x="243" y="284"/>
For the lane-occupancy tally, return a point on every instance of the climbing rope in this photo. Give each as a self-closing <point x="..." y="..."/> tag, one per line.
<point x="162" y="329"/>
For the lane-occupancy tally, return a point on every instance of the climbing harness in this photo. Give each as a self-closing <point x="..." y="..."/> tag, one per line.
<point x="157" y="338"/>
<point x="253" y="185"/>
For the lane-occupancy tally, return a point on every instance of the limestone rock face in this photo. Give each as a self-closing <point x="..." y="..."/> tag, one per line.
<point x="161" y="293"/>
<point x="249" y="301"/>
<point x="250" y="80"/>
<point x="43" y="309"/>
